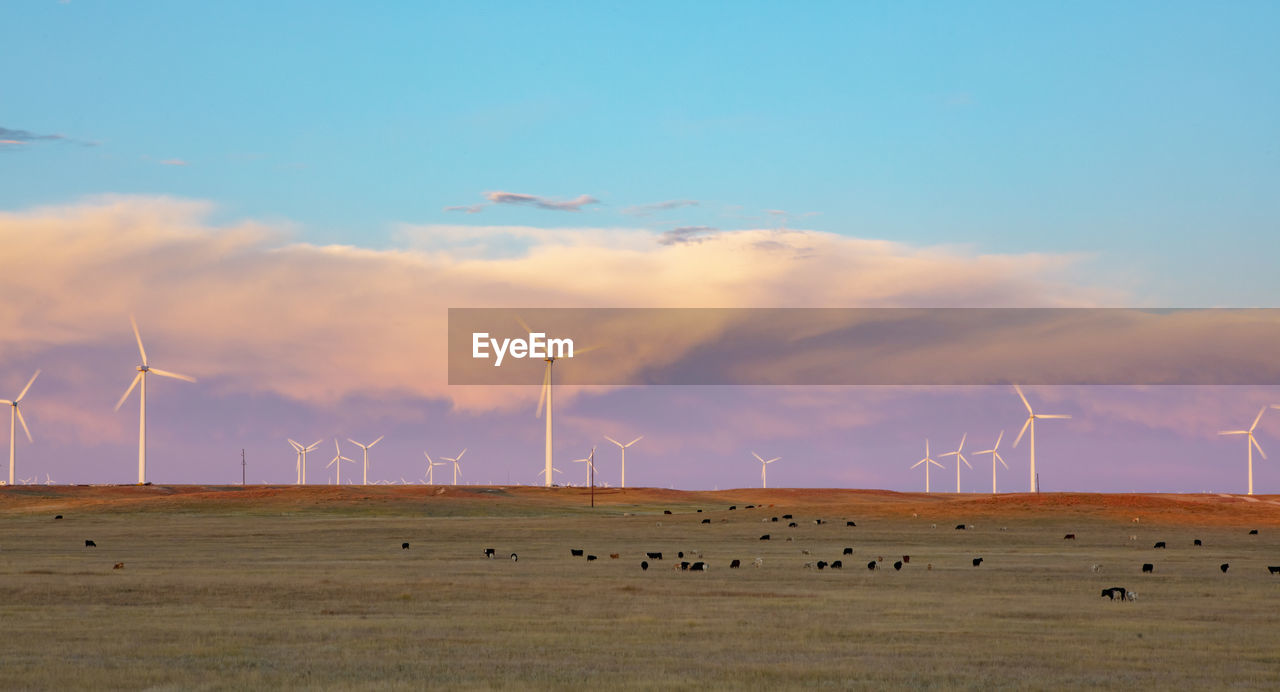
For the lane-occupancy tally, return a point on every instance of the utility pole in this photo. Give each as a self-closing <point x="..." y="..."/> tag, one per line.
<point x="242" y="467"/>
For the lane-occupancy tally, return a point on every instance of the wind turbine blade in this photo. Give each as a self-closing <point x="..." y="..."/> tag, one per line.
<point x="138" y="336"/>
<point x="377" y="440"/>
<point x="1024" y="430"/>
<point x="1234" y="432"/>
<point x="966" y="461"/>
<point x="1052" y="415"/>
<point x="428" y="456"/>
<point x="23" y="421"/>
<point x="6" y="402"/>
<point x="998" y="439"/>
<point x="336" y="448"/>
<point x="546" y="385"/>
<point x="919" y="462"/>
<point x="962" y="439"/>
<point x="758" y="457"/>
<point x="948" y="454"/>
<point x="464" y="451"/>
<point x="174" y="375"/>
<point x="635" y="441"/>
<point x="128" y="391"/>
<point x="29" y="383"/>
<point x="1018" y="389"/>
<point x="346" y="459"/>
<point x="1251" y="427"/>
<point x="1251" y="439"/>
<point x="773" y="460"/>
<point x="937" y="464"/>
<point x="614" y="441"/>
<point x="1000" y="459"/>
<point x="525" y="326"/>
<point x="355" y="443"/>
<point x="314" y="445"/>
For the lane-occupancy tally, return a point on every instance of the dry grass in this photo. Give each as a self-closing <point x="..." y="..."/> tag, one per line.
<point x="309" y="588"/>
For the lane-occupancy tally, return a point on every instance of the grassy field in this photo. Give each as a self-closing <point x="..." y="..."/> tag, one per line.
<point x="288" y="587"/>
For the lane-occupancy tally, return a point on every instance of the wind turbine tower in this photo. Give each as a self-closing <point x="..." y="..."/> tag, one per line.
<point x="1253" y="442"/>
<point x="1032" y="417"/>
<point x="927" y="461"/>
<point x="141" y="378"/>
<point x="366" y="454"/>
<point x="764" y="464"/>
<point x="623" y="448"/>
<point x="959" y="455"/>
<point x="995" y="456"/>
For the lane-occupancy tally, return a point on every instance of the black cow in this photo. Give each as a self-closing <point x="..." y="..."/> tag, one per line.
<point x="850" y="523"/>
<point x="653" y="556"/>
<point x="786" y="516"/>
<point x="1115" y="591"/>
<point x="817" y="521"/>
<point x="837" y="564"/>
<point x="792" y="525"/>
<point x="1253" y="532"/>
<point x="576" y="552"/>
<point x="1159" y="544"/>
<point x="871" y="565"/>
<point x="1224" y="567"/>
<point x="680" y="554"/>
<point x="774" y="519"/>
<point x="489" y="553"/>
<point x="1069" y="537"/>
<point x="897" y="566"/>
<point x="977" y="561"/>
<point x="90" y="544"/>
<point x="58" y="517"/>
<point x="684" y="566"/>
<point x="1274" y="569"/>
<point x="706" y="521"/>
<point x="847" y="551"/>
<point x="1197" y="542"/>
<point x="592" y="557"/>
<point x="959" y="527"/>
<point x="514" y="557"/>
<point x="404" y="546"/>
<point x="699" y="511"/>
<point x="735" y="564"/>
<point x="732" y="507"/>
<point x="644" y="566"/>
<point x="751" y="506"/>
<point x="666" y="511"/>
<point x="1148" y="567"/>
<point x="822" y="564"/>
<point x="698" y="567"/>
<point x="764" y="537"/>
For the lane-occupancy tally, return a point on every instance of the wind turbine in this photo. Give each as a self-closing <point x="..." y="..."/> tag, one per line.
<point x="455" y="464"/>
<point x="927" y="461"/>
<point x="142" y="410"/>
<point x="995" y="456"/>
<point x="764" y="465"/>
<point x="16" y="414"/>
<point x="1253" y="442"/>
<point x="623" y="448"/>
<point x="431" y="468"/>
<point x="302" y="460"/>
<point x="337" y="462"/>
<point x="590" y="461"/>
<point x="1032" y="417"/>
<point x="959" y="455"/>
<point x="556" y="470"/>
<point x="366" y="454"/>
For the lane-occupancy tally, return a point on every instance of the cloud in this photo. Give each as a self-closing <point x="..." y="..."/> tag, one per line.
<point x="686" y="234"/>
<point x="173" y="162"/>
<point x="11" y="138"/>
<point x="650" y="209"/>
<point x="575" y="204"/>
<point x="469" y="209"/>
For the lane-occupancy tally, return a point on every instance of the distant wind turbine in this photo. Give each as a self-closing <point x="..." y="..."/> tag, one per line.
<point x="302" y="459"/>
<point x="959" y="455"/>
<point x="590" y="462"/>
<point x="764" y="465"/>
<point x="366" y="454"/>
<point x="623" y="448"/>
<point x="1032" y="417"/>
<point x="337" y="462"/>
<point x="16" y="414"/>
<point x="455" y="461"/>
<point x="995" y="456"/>
<point x="141" y="377"/>
<point x="1253" y="442"/>
<point x="431" y="468"/>
<point x="927" y="460"/>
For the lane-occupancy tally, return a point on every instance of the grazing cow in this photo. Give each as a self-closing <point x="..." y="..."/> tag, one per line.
<point x="404" y="546"/>
<point x="653" y="556"/>
<point x="758" y="562"/>
<point x="822" y="564"/>
<point x="792" y="525"/>
<point x="684" y="566"/>
<point x="576" y="552"/>
<point x="1131" y="595"/>
<point x="1197" y="542"/>
<point x="90" y="544"/>
<point x="929" y="567"/>
<point x="119" y="565"/>
<point x="804" y="552"/>
<point x="515" y="558"/>
<point x="666" y="511"/>
<point x="490" y="552"/>
<point x="817" y="521"/>
<point x="732" y="507"/>
<point x="1253" y="532"/>
<point x="977" y="561"/>
<point x="698" y="567"/>
<point x="1148" y="567"/>
<point x="592" y="557"/>
<point x="699" y="511"/>
<point x="959" y="527"/>
<point x="933" y="526"/>
<point x="774" y="519"/>
<point x="680" y="554"/>
<point x="751" y="506"/>
<point x="1069" y="537"/>
<point x="847" y="551"/>
<point x="706" y="521"/>
<point x="808" y="565"/>
<point x="850" y="523"/>
<point x="786" y="516"/>
<point x="1274" y="569"/>
<point x="789" y="539"/>
<point x="58" y="516"/>
<point x="1133" y="537"/>
<point x="1116" y="591"/>
<point x="764" y="537"/>
<point x="1095" y="568"/>
<point x="906" y="559"/>
<point x="871" y="565"/>
<point x="1159" y="544"/>
<point x="837" y="564"/>
<point x="1224" y="567"/>
<point x="880" y="559"/>
<point x="644" y="566"/>
<point x="613" y="556"/>
<point x="897" y="566"/>
<point x="735" y="564"/>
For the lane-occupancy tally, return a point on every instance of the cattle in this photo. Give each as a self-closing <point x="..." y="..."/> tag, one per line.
<point x="666" y="511"/>
<point x="684" y="566"/>
<point x="1197" y="542"/>
<point x="817" y="521"/>
<point x="1069" y="537"/>
<point x="773" y="519"/>
<point x="576" y="552"/>
<point x="786" y="516"/>
<point x="764" y="537"/>
<point x="880" y="559"/>
<point x="850" y="523"/>
<point x="1095" y="568"/>
<point x="977" y="561"/>
<point x="1115" y="591"/>
<point x="1253" y="532"/>
<point x="58" y="516"/>
<point x="929" y="567"/>
<point x="90" y="544"/>
<point x="847" y="551"/>
<point x="906" y="559"/>
<point x="959" y="527"/>
<point x="758" y="562"/>
<point x="644" y="566"/>
<point x="735" y="564"/>
<point x="822" y="564"/>
<point x="837" y="564"/>
<point x="1131" y="595"/>
<point x="404" y="546"/>
<point x="119" y="565"/>
<point x="698" y="567"/>
<point x="613" y="556"/>
<point x="1274" y="569"/>
<point x="751" y="506"/>
<point x="592" y="557"/>
<point x="706" y="521"/>
<point x="1224" y="567"/>
<point x="808" y="565"/>
<point x="871" y="565"/>
<point x="515" y="558"/>
<point x="699" y="511"/>
<point x="1148" y="567"/>
<point x="732" y="507"/>
<point x="804" y="552"/>
<point x="792" y="525"/>
<point x="490" y="552"/>
<point x="897" y="566"/>
<point x="653" y="556"/>
<point x="1159" y="544"/>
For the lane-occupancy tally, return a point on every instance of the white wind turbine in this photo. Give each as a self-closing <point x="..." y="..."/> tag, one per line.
<point x="623" y="448"/>
<point x="16" y="414"/>
<point x="1032" y="417"/>
<point x="141" y="377"/>
<point x="431" y="468"/>
<point x="590" y="462"/>
<point x="455" y="461"/>
<point x="959" y="455"/>
<point x="366" y="454"/>
<point x="337" y="462"/>
<point x="995" y="456"/>
<point x="302" y="460"/>
<point x="764" y="465"/>
<point x="927" y="460"/>
<point x="1253" y="442"/>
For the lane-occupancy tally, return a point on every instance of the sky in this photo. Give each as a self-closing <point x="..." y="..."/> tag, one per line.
<point x="290" y="196"/>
